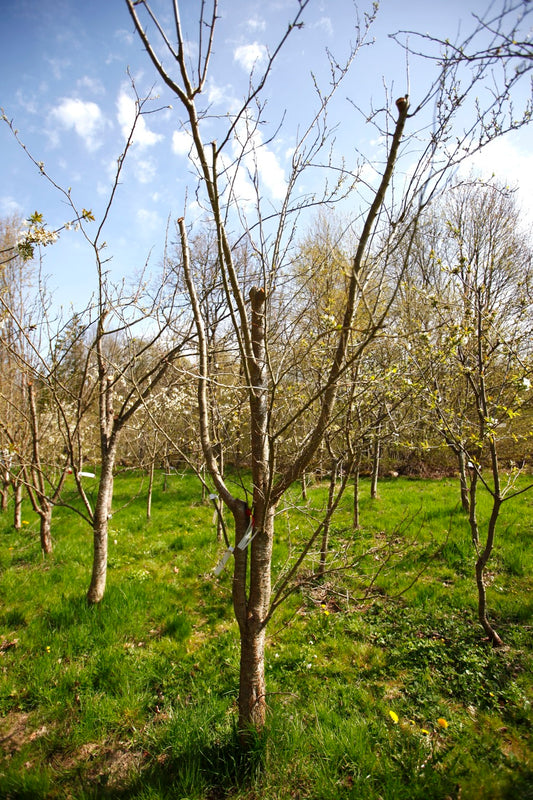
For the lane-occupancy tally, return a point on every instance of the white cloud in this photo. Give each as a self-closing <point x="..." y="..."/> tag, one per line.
<point x="249" y="157"/>
<point x="124" y="36"/>
<point x="256" y="24"/>
<point x="507" y="163"/>
<point x="143" y="136"/>
<point x="57" y="66"/>
<point x="289" y="153"/>
<point x="74" y="175"/>
<point x="256" y="160"/>
<point x="325" y="24"/>
<point x="181" y="143"/>
<point x="260" y="159"/>
<point x="92" y="84"/>
<point x="28" y="103"/>
<point x="85" y="118"/>
<point x="221" y="94"/>
<point x="9" y="206"/>
<point x="111" y="170"/>
<point x="248" y="55"/>
<point x="271" y="172"/>
<point x="148" y="220"/>
<point x="241" y="186"/>
<point x="368" y="173"/>
<point x="145" y="170"/>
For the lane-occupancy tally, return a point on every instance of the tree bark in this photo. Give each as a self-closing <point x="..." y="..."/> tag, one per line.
<point x="482" y="602"/>
<point x="100" y="527"/>
<point x="325" y="532"/>
<point x="376" y="455"/>
<point x="484" y="556"/>
<point x="480" y="578"/>
<point x="465" y="501"/>
<point x="252" y="686"/>
<point x="304" y="486"/>
<point x="150" y="489"/>
<point x="45" y="526"/>
<point x="17" y="516"/>
<point x="472" y="510"/>
<point x="4" y="497"/>
<point x="220" y="512"/>
<point x="252" y="613"/>
<point x="356" y="524"/>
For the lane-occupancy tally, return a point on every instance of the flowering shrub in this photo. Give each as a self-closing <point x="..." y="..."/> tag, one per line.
<point x="37" y="233"/>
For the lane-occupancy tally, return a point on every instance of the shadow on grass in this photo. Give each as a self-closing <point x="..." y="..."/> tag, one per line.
<point x="212" y="772"/>
<point x="188" y="768"/>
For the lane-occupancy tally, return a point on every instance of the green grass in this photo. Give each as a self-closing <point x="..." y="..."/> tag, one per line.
<point x="136" y="698"/>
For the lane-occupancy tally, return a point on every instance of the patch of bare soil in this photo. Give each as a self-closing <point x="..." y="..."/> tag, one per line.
<point x="16" y="731"/>
<point x="101" y="764"/>
<point x="97" y="763"/>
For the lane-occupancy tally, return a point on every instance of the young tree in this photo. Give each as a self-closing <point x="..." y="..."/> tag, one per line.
<point x="116" y="370"/>
<point x="259" y="300"/>
<point x="475" y="349"/>
<point x="23" y="308"/>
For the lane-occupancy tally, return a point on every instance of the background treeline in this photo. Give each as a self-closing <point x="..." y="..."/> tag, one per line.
<point x="468" y="289"/>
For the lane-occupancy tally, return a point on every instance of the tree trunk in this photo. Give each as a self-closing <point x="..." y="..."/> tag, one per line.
<point x="481" y="563"/>
<point x="45" y="527"/>
<point x="252" y="687"/>
<point x="220" y="505"/>
<point x="100" y="527"/>
<point x="252" y="610"/>
<point x="325" y="532"/>
<point x="4" y="497"/>
<point x="204" y="490"/>
<point x="465" y="502"/>
<point x="17" y="518"/>
<point x="472" y="509"/>
<point x="150" y="490"/>
<point x="356" y="524"/>
<point x="482" y="604"/>
<point x="251" y="613"/>
<point x="220" y="520"/>
<point x="376" y="455"/>
<point x="304" y="486"/>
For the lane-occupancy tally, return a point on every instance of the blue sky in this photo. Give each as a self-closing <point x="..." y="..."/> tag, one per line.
<point x="64" y="67"/>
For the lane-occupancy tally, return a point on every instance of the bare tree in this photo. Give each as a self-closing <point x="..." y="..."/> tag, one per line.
<point x="117" y="370"/>
<point x="473" y="350"/>
<point x="23" y="308"/>
<point x="259" y="298"/>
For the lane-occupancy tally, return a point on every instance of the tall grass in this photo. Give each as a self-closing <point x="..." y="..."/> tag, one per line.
<point x="135" y="698"/>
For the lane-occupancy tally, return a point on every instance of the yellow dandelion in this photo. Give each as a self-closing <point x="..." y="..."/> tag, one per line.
<point x="394" y="717"/>
<point x="442" y="722"/>
<point x="424" y="731"/>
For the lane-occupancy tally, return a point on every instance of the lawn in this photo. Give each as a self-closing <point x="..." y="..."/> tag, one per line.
<point x="380" y="683"/>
